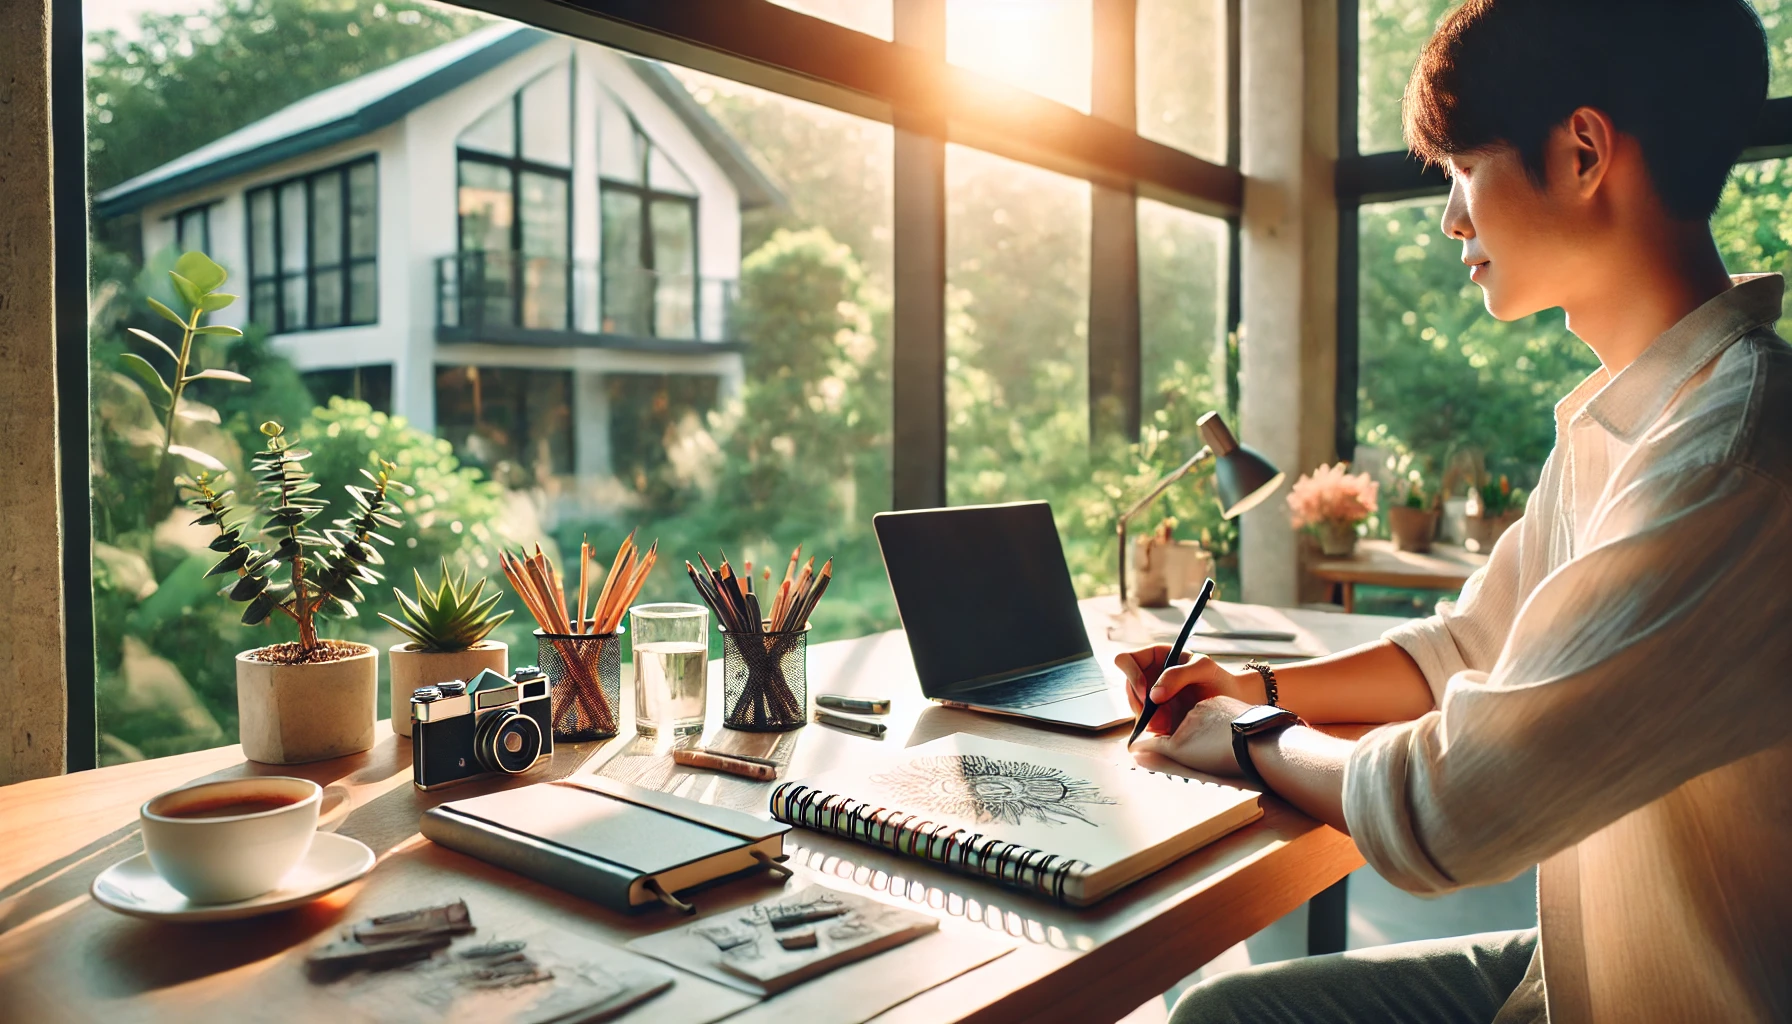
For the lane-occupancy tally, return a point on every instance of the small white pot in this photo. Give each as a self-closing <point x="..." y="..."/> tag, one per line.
<point x="413" y="669"/>
<point x="290" y="714"/>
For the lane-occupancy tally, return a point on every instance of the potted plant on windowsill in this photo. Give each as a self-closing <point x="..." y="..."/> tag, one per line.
<point x="448" y="629"/>
<point x="1413" y="518"/>
<point x="309" y="699"/>
<point x="1330" y="502"/>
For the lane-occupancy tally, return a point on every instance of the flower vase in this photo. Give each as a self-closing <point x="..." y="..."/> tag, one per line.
<point x="1337" y="540"/>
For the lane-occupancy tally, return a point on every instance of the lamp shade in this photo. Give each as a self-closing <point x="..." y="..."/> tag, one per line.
<point x="1241" y="477"/>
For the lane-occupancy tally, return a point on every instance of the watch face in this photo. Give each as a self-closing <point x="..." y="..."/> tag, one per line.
<point x="1261" y="716"/>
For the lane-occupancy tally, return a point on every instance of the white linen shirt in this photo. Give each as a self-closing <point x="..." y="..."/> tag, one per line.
<point x="1612" y="691"/>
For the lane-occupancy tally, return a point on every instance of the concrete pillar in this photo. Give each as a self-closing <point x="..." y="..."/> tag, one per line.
<point x="33" y="683"/>
<point x="1288" y="237"/>
<point x="591" y="424"/>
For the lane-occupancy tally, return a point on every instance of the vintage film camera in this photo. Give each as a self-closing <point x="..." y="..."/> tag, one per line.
<point x="489" y="725"/>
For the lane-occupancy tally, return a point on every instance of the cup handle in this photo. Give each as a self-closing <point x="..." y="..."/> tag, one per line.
<point x="334" y="808"/>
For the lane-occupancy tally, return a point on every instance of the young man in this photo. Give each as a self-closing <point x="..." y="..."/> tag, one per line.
<point x="1610" y="696"/>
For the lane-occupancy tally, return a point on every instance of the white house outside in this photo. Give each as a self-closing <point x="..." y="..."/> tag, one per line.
<point x="499" y="239"/>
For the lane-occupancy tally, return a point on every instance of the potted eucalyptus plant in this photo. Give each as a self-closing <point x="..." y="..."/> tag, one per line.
<point x="313" y="698"/>
<point x="448" y="627"/>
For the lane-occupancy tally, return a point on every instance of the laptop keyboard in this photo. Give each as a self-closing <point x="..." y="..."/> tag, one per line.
<point x="1054" y="684"/>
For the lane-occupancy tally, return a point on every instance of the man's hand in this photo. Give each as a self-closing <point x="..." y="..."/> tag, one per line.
<point x="1203" y="738"/>
<point x="1182" y="686"/>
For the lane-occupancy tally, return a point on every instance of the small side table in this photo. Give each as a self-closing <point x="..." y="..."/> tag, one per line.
<point x="1380" y="564"/>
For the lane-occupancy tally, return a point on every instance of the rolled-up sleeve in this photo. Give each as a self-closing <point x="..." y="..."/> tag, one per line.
<point x="1656" y="655"/>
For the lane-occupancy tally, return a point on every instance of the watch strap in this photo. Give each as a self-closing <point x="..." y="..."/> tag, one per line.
<point x="1260" y="725"/>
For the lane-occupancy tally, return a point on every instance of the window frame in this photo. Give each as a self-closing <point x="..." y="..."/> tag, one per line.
<point x="645" y="258"/>
<point x="344" y="268"/>
<point x="905" y="82"/>
<point x="178" y="217"/>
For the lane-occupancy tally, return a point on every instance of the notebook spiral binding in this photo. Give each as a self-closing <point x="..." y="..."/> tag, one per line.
<point x="971" y="853"/>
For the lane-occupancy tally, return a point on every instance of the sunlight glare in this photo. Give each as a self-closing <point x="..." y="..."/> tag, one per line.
<point x="1042" y="46"/>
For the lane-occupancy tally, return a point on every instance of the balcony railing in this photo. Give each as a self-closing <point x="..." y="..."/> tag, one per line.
<point x="509" y="296"/>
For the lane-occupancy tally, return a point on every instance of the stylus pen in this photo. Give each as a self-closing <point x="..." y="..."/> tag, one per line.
<point x="1175" y="656"/>
<point x="862" y="705"/>
<point x="858" y="725"/>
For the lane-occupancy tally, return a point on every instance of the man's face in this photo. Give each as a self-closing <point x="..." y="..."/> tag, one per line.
<point x="1515" y="236"/>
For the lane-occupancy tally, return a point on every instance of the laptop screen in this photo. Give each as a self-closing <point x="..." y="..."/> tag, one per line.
<point x="983" y="591"/>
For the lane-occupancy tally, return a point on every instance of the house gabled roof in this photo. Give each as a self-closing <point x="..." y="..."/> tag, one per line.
<point x="378" y="98"/>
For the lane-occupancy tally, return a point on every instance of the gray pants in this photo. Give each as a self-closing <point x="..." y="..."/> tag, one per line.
<point x="1473" y="978"/>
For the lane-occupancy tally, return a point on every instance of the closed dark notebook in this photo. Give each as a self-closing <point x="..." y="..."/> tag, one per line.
<point x="606" y="840"/>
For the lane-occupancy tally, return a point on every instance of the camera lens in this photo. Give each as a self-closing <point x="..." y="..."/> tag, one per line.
<point x="507" y="741"/>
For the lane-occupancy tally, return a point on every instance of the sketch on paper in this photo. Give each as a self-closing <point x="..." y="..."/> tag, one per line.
<point x="982" y="789"/>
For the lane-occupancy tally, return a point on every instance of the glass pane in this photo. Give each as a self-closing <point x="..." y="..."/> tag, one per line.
<point x="326" y="290"/>
<point x="871" y="17"/>
<point x="1390" y="34"/>
<point x="674" y="268"/>
<point x="1776" y="18"/>
<point x="494" y="132"/>
<point x="364" y="295"/>
<point x="545" y="227"/>
<point x="1445" y="389"/>
<point x="1042" y="46"/>
<point x="1017" y="335"/>
<point x="547" y="118"/>
<point x="363" y="209"/>
<point x="261" y="233"/>
<point x="627" y="284"/>
<point x="1753" y="223"/>
<point x="515" y="424"/>
<point x="293" y="218"/>
<point x="1181" y="54"/>
<point x="263" y="298"/>
<point x="649" y="413"/>
<point x="190" y="231"/>
<point x="485" y="207"/>
<point x="326" y="221"/>
<point x="295" y="303"/>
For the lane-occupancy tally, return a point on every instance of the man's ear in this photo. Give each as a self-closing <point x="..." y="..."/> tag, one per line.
<point x="1586" y="143"/>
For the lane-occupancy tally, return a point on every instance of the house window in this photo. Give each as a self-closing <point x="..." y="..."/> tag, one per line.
<point x="193" y="229"/>
<point x="371" y="384"/>
<point x="649" y="244"/>
<point x="515" y="208"/>
<point x="515" y="423"/>
<point x="313" y="249"/>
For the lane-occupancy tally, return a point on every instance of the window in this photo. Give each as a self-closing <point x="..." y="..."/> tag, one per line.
<point x="1776" y="18"/>
<point x="515" y="208"/>
<point x="313" y="249"/>
<point x="1042" y="46"/>
<point x="515" y="423"/>
<point x="370" y="384"/>
<point x="649" y="243"/>
<point x="1390" y="34"/>
<point x="1183" y="61"/>
<point x="193" y="230"/>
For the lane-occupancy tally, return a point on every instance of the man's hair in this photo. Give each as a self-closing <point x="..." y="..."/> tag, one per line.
<point x="1686" y="78"/>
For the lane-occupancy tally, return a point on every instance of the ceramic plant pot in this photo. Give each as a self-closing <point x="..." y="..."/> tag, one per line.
<point x="413" y="668"/>
<point x="1413" y="528"/>
<point x="1337" y="540"/>
<point x="1482" y="532"/>
<point x="290" y="714"/>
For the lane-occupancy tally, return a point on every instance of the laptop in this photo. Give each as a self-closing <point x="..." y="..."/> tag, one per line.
<point x="992" y="621"/>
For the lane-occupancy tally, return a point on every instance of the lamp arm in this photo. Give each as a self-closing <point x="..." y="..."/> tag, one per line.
<point x="1163" y="485"/>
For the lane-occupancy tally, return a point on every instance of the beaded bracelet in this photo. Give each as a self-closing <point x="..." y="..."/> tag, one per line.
<point x="1269" y="681"/>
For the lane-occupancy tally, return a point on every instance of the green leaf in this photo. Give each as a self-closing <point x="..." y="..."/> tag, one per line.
<point x="167" y="314"/>
<point x="199" y="269"/>
<point x="258" y="610"/>
<point x="225" y="541"/>
<point x="231" y="562"/>
<point x="230" y="375"/>
<point x="196" y="412"/>
<point x="188" y="291"/>
<point x="216" y="301"/>
<point x="224" y="329"/>
<point x="154" y="387"/>
<point x="195" y="455"/>
<point x="247" y="587"/>
<point x="157" y="342"/>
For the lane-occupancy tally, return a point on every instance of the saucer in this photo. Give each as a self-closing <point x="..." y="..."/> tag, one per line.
<point x="132" y="886"/>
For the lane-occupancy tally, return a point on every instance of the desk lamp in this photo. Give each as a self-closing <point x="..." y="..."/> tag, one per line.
<point x="1241" y="477"/>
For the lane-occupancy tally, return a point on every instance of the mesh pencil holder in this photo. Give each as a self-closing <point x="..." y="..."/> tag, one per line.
<point x="765" y="680"/>
<point x="584" y="673"/>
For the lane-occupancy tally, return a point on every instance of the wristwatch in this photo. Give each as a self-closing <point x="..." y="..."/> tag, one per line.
<point x="1257" y="721"/>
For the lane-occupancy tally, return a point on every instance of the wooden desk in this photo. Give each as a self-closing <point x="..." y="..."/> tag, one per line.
<point x="62" y="957"/>
<point x="1380" y="564"/>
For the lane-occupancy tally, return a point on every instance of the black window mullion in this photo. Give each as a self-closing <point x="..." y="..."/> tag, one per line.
<point x="310" y="257"/>
<point x="918" y="314"/>
<point x="343" y="215"/>
<point x="1344" y="393"/>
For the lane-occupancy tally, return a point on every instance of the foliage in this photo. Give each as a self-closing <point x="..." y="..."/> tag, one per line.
<point x="188" y="78"/>
<point x="1330" y="494"/>
<point x="339" y="559"/>
<point x="449" y="617"/>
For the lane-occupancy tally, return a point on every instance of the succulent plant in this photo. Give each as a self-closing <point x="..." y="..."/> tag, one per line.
<point x="448" y="618"/>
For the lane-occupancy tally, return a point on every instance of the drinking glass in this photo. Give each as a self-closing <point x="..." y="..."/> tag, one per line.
<point x="671" y="667"/>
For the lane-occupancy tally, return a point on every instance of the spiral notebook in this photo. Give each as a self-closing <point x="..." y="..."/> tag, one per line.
<point x="1068" y="827"/>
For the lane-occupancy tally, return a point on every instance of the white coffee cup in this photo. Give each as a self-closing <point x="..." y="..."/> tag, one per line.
<point x="220" y="842"/>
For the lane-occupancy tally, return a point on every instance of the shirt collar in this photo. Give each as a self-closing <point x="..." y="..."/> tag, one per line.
<point x="1628" y="402"/>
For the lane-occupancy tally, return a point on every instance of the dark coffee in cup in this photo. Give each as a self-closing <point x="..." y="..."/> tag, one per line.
<point x="230" y="807"/>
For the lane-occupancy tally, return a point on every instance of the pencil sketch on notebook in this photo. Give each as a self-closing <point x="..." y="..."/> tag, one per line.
<point x="982" y="789"/>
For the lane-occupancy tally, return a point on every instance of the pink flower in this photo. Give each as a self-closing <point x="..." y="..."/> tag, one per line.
<point x="1330" y="495"/>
